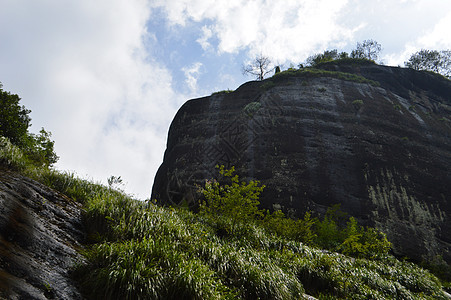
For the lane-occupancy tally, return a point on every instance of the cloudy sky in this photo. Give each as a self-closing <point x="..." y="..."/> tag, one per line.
<point x="106" y="77"/>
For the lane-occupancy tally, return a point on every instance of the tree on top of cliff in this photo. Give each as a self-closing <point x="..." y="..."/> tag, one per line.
<point x="258" y="67"/>
<point x="431" y="60"/>
<point x="368" y="49"/>
<point x="328" y="55"/>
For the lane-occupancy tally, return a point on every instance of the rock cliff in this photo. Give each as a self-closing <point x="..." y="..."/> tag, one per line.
<point x="373" y="138"/>
<point x="40" y="231"/>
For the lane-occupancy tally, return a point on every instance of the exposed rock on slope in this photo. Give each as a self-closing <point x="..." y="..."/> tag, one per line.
<point x="381" y="148"/>
<point x="39" y="232"/>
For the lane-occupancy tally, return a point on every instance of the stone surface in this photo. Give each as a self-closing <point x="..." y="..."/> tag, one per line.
<point x="40" y="231"/>
<point x="382" y="151"/>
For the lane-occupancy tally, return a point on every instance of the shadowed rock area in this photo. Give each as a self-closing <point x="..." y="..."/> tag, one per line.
<point x="375" y="139"/>
<point x="39" y="232"/>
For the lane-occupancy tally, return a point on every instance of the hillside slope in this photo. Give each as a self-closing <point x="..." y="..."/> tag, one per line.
<point x="40" y="233"/>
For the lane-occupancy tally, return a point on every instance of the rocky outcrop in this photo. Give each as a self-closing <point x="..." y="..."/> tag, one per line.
<point x="376" y="139"/>
<point x="40" y="231"/>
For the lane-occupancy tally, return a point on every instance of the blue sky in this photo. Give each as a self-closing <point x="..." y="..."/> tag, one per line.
<point x="106" y="77"/>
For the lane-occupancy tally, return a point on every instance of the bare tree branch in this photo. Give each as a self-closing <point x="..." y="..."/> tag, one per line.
<point x="259" y="67"/>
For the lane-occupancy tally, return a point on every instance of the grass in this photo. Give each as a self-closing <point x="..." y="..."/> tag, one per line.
<point x="138" y="250"/>
<point x="228" y="91"/>
<point x="313" y="72"/>
<point x="151" y="252"/>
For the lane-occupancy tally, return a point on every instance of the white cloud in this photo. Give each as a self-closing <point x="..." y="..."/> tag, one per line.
<point x="192" y="74"/>
<point x="82" y="68"/>
<point x="439" y="37"/>
<point x="207" y="33"/>
<point x="284" y="31"/>
<point x="294" y="29"/>
<point x="436" y="38"/>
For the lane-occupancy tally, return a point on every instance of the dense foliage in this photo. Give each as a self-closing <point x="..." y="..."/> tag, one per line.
<point x="431" y="60"/>
<point x="14" y="125"/>
<point x="143" y="251"/>
<point x="237" y="200"/>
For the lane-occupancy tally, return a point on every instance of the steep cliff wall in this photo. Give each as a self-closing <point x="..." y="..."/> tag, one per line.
<point x="40" y="231"/>
<point x="381" y="148"/>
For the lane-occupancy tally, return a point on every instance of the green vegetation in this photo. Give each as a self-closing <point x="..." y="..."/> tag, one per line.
<point x="313" y="72"/>
<point x="364" y="53"/>
<point x="368" y="49"/>
<point x="357" y="103"/>
<point x="431" y="60"/>
<point x="223" y="92"/>
<point x="143" y="251"/>
<point x="229" y="250"/>
<point x="251" y="108"/>
<point x="237" y="201"/>
<point x="37" y="149"/>
<point x="327" y="56"/>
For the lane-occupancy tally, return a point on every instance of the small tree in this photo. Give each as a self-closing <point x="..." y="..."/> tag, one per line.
<point x="431" y="60"/>
<point x="237" y="200"/>
<point x="14" y="124"/>
<point x="259" y="67"/>
<point x="14" y="119"/>
<point x="40" y="148"/>
<point x="368" y="49"/>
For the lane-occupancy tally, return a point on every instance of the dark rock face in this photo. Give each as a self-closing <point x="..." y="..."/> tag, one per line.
<point x="39" y="232"/>
<point x="382" y="151"/>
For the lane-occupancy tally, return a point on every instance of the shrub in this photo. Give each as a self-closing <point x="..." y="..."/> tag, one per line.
<point x="228" y="91"/>
<point x="357" y="103"/>
<point x="237" y="200"/>
<point x="300" y="230"/>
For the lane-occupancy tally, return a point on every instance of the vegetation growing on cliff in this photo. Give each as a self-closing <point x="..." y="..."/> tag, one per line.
<point x="138" y="250"/>
<point x="431" y="60"/>
<point x="313" y="72"/>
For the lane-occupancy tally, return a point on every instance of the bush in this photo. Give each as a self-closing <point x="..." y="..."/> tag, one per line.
<point x="236" y="200"/>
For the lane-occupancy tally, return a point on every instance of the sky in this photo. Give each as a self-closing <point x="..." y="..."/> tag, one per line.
<point x="106" y="77"/>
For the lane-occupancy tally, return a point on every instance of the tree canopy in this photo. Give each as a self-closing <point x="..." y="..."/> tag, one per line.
<point x="14" y="124"/>
<point x="368" y="49"/>
<point x="14" y="119"/>
<point x="431" y="60"/>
